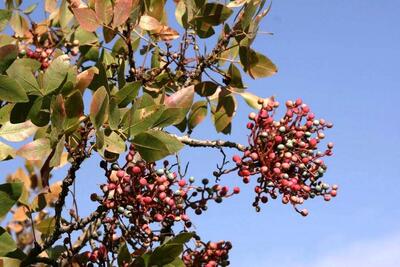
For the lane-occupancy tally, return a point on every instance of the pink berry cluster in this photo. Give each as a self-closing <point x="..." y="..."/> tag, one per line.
<point x="43" y="55"/>
<point x="98" y="255"/>
<point x="212" y="254"/>
<point x="146" y="197"/>
<point x="284" y="153"/>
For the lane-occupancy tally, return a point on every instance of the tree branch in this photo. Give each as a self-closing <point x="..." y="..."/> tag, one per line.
<point x="67" y="182"/>
<point x="209" y="143"/>
<point x="82" y="222"/>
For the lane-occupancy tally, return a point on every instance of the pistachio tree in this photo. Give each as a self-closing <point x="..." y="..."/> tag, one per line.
<point x="128" y="81"/>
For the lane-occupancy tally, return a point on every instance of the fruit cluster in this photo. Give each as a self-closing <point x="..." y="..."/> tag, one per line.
<point x="43" y="55"/>
<point x="146" y="197"/>
<point x="212" y="254"/>
<point x="285" y="154"/>
<point x="98" y="255"/>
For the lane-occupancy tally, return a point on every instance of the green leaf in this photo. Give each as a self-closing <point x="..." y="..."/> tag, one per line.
<point x="55" y="252"/>
<point x="46" y="226"/>
<point x="100" y="79"/>
<point x="214" y="13"/>
<point x="203" y="29"/>
<point x="124" y="255"/>
<point x="9" y="195"/>
<point x="30" y="9"/>
<point x="22" y="71"/>
<point x="58" y="72"/>
<point x="5" y="113"/>
<point x="256" y="64"/>
<point x="121" y="74"/>
<point x="165" y="254"/>
<point x="177" y="106"/>
<point x="56" y="159"/>
<point x="99" y="107"/>
<point x="206" y="88"/>
<point x="65" y="16"/>
<point x="6" y="152"/>
<point x="223" y="113"/>
<point x="178" y="262"/>
<point x="138" y="120"/>
<point x="251" y="100"/>
<point x="19" y="24"/>
<point x="17" y="132"/>
<point x="197" y="114"/>
<point x="8" y="54"/>
<point x="180" y="14"/>
<point x="120" y="48"/>
<point x="108" y="34"/>
<point x="74" y="105"/>
<point x="181" y="238"/>
<point x="89" y="52"/>
<point x="39" y="113"/>
<point x="235" y="77"/>
<point x="11" y="90"/>
<point x="36" y="150"/>
<point x="154" y="145"/>
<point x="58" y="112"/>
<point x="85" y="37"/>
<point x="114" y="115"/>
<point x="127" y="94"/>
<point x="114" y="143"/>
<point x="5" y="16"/>
<point x="19" y="112"/>
<point x="171" y="116"/>
<point x="8" y="247"/>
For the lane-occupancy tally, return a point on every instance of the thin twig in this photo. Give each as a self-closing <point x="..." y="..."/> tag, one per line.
<point x="209" y="143"/>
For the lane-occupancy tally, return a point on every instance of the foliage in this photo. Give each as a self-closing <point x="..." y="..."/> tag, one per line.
<point x="117" y="77"/>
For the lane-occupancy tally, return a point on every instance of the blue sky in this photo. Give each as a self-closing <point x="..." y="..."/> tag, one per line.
<point x="342" y="58"/>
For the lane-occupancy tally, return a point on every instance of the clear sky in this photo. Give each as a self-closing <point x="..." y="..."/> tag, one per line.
<point x="342" y="58"/>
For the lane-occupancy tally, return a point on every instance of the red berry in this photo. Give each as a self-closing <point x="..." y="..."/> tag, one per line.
<point x="158" y="217"/>
<point x="120" y="173"/>
<point x="136" y="170"/>
<point x="333" y="193"/>
<point x="237" y="159"/>
<point x="236" y="190"/>
<point x="143" y="181"/>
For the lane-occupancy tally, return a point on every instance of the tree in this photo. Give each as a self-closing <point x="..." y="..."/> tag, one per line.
<point x="114" y="78"/>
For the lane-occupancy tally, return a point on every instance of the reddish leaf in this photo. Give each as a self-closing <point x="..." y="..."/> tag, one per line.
<point x="36" y="150"/>
<point x="180" y="99"/>
<point x="85" y="78"/>
<point x="166" y="33"/>
<point x="99" y="107"/>
<point x="87" y="18"/>
<point x="122" y="10"/>
<point x="104" y="11"/>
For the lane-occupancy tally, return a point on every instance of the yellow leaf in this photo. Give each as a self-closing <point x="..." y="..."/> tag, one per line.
<point x="149" y="23"/>
<point x="85" y="78"/>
